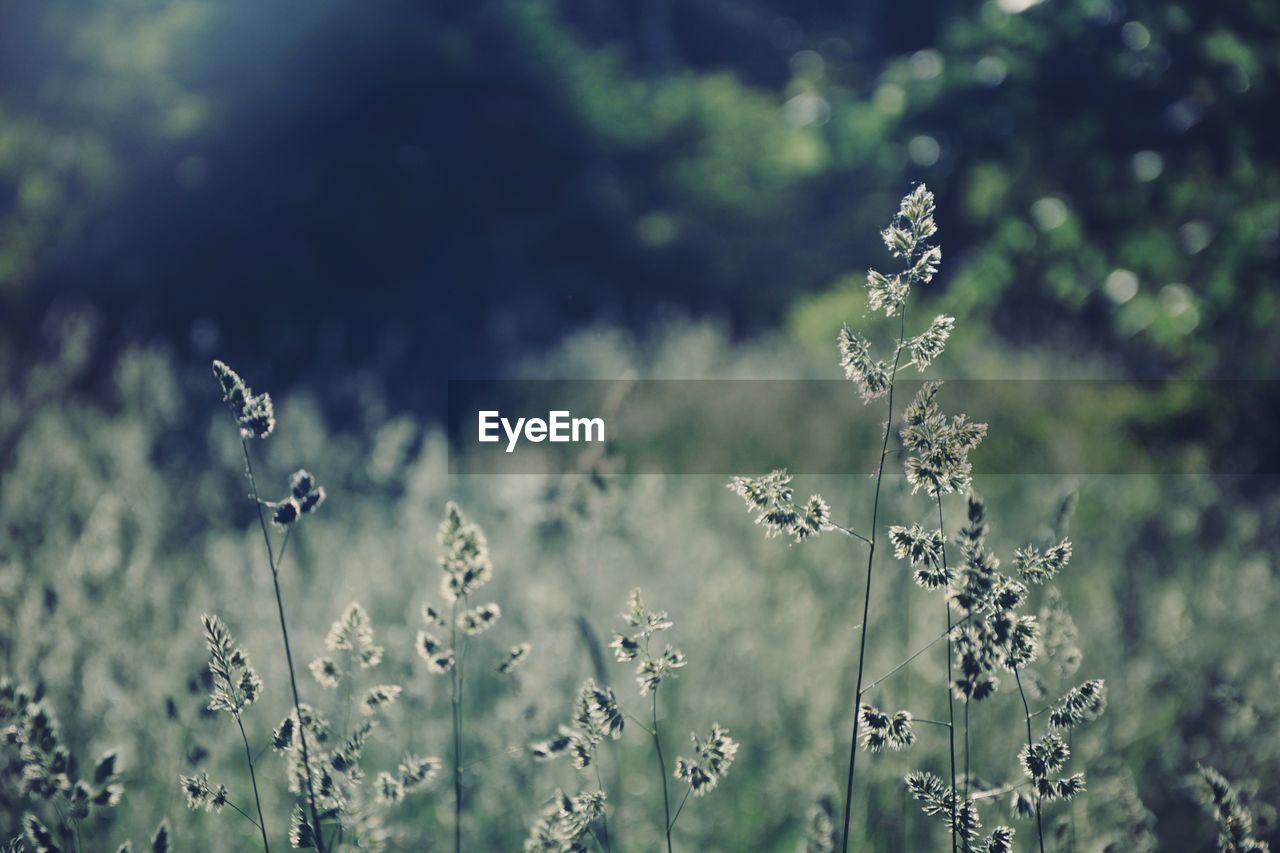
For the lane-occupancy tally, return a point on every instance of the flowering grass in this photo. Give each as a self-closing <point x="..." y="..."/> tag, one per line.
<point x="453" y="684"/>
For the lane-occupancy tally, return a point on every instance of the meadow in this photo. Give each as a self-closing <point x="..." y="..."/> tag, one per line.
<point x="474" y="667"/>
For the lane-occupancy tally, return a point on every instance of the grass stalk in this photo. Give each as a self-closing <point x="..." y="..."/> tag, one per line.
<point x="288" y="650"/>
<point x="951" y="705"/>
<point x="257" y="800"/>
<point x="1030" y="744"/>
<point x="455" y="691"/>
<point x="604" y="816"/>
<point x="866" y="595"/>
<point x="662" y="768"/>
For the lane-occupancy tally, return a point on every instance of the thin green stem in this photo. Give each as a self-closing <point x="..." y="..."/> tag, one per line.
<point x="944" y="635"/>
<point x="1071" y="843"/>
<point x="967" y="703"/>
<point x="1030" y="743"/>
<point x="257" y="800"/>
<point x="951" y="708"/>
<point x="639" y="722"/>
<point x="604" y="814"/>
<point x="849" y="532"/>
<point x="284" y="547"/>
<point x="346" y="690"/>
<point x="1000" y="792"/>
<point x="662" y="768"/>
<point x="455" y="684"/>
<point x="288" y="650"/>
<point x="242" y="814"/>
<point x="679" y="809"/>
<point x="943" y="723"/>
<point x="866" y="594"/>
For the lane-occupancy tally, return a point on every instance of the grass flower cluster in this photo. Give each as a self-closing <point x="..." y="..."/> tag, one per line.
<point x="598" y="718"/>
<point x="47" y="772"/>
<point x="984" y="631"/>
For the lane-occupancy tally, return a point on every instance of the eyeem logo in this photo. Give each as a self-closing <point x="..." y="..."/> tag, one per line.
<point x="559" y="426"/>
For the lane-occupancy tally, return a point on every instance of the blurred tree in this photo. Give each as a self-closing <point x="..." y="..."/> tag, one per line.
<point x="409" y="185"/>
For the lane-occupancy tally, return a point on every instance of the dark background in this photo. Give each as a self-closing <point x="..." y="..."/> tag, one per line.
<point x="436" y="192"/>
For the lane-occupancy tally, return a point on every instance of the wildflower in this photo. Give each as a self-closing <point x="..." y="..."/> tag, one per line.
<point x="1079" y="705"/>
<point x="284" y="736"/>
<point x="871" y="376"/>
<point x="160" y="839"/>
<point x="304" y="497"/>
<point x="1059" y="637"/>
<point x="1018" y="636"/>
<point x="105" y="767"/>
<point x="1235" y="821"/>
<point x="548" y="749"/>
<point x="652" y="671"/>
<point x="1036" y="567"/>
<point x="881" y="730"/>
<point x="770" y="498"/>
<point x="650" y="622"/>
<point x="926" y="265"/>
<point x="624" y="648"/>
<point x="284" y="513"/>
<point x="928" y="345"/>
<point x="303" y="486"/>
<point x="714" y="756"/>
<point x="1066" y="789"/>
<point x="814" y="517"/>
<point x="938" y="800"/>
<point x="887" y="292"/>
<point x="917" y="209"/>
<point x="636" y="615"/>
<point x="465" y="560"/>
<point x="516" y="656"/>
<point x="431" y="616"/>
<point x="598" y="711"/>
<point x="999" y="841"/>
<point x="596" y="717"/>
<point x="564" y="820"/>
<point x="912" y="225"/>
<point x="37" y="834"/>
<point x="439" y="659"/>
<point x="1043" y="757"/>
<point x="347" y="756"/>
<point x="388" y="789"/>
<point x="924" y="549"/>
<point x="235" y="682"/>
<point x="202" y="795"/>
<point x="353" y="632"/>
<point x="109" y="795"/>
<point x="941" y="445"/>
<point x="1021" y="805"/>
<point x="477" y="620"/>
<point x="301" y="835"/>
<point x="976" y="657"/>
<point x="898" y="240"/>
<point x="762" y="493"/>
<point x="379" y="696"/>
<point x="820" y="827"/>
<point x="254" y="413"/>
<point x="416" y="772"/>
<point x="326" y="672"/>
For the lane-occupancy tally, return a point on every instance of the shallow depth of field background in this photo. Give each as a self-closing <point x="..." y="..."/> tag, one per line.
<point x="354" y="202"/>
